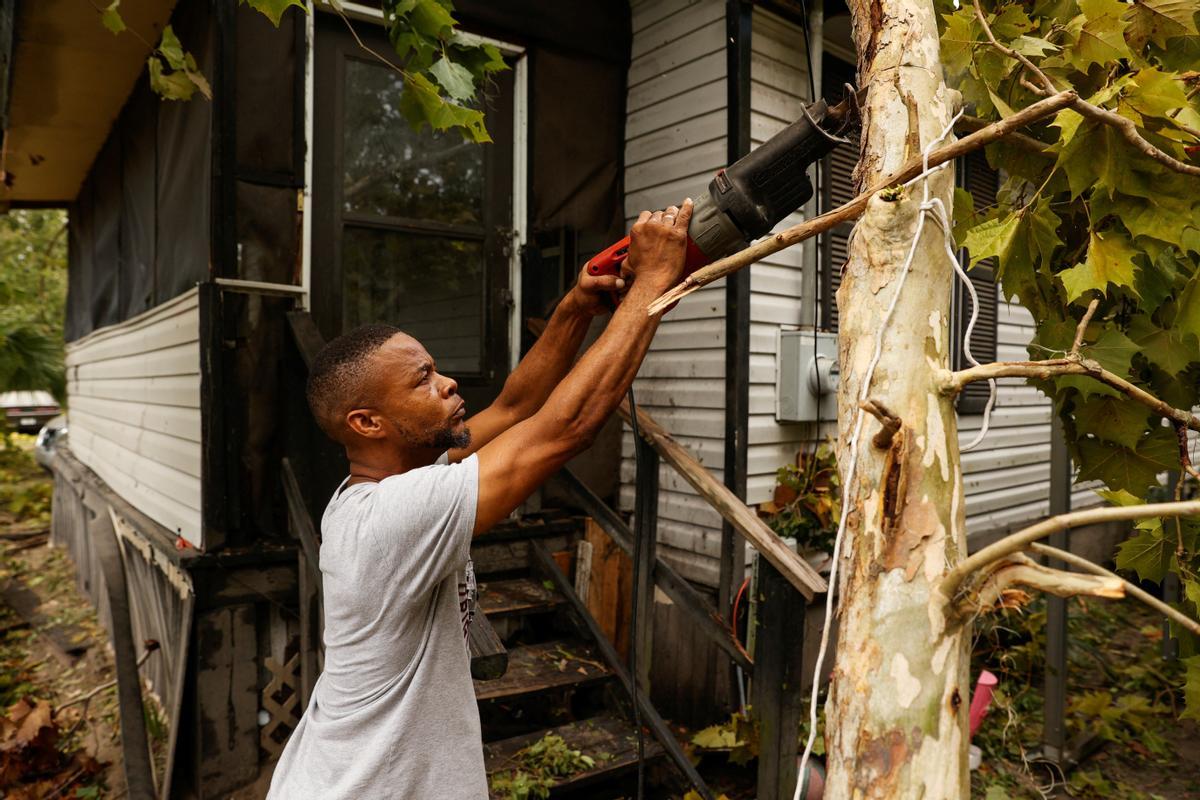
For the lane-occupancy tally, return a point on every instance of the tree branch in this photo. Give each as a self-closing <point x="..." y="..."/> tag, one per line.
<point x="852" y="209"/>
<point x="969" y="124"/>
<point x="1020" y="569"/>
<point x="1081" y="330"/>
<point x="1124" y="126"/>
<point x="953" y="382"/>
<point x="1018" y="541"/>
<point x="1131" y="589"/>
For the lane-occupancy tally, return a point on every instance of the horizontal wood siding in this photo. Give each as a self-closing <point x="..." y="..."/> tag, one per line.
<point x="675" y="140"/>
<point x="778" y="93"/>
<point x="134" y="411"/>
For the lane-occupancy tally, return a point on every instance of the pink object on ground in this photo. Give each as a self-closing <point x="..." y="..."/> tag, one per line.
<point x="981" y="699"/>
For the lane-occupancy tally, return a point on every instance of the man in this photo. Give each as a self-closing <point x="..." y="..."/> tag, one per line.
<point x="393" y="714"/>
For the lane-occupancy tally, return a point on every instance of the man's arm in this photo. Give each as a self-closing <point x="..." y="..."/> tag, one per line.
<point x="550" y="358"/>
<point x="523" y="457"/>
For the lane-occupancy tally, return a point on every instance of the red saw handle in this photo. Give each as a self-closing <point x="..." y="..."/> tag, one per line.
<point x="609" y="260"/>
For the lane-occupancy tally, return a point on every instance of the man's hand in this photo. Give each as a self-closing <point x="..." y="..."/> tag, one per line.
<point x="658" y="247"/>
<point x="594" y="295"/>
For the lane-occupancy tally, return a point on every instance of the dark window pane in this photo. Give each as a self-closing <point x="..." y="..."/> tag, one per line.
<point x="389" y="169"/>
<point x="430" y="287"/>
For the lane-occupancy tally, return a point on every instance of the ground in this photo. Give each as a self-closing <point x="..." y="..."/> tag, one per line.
<point x="75" y="752"/>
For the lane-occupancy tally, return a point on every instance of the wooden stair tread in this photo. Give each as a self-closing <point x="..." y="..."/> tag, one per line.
<point x="516" y="596"/>
<point x="611" y="742"/>
<point x="548" y="665"/>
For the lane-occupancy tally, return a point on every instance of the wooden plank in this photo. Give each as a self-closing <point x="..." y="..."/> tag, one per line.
<point x="609" y="586"/>
<point x="226" y="700"/>
<point x="645" y="545"/>
<point x="611" y="742"/>
<point x="307" y="336"/>
<point x="66" y="641"/>
<point x="548" y="665"/>
<point x="515" y="596"/>
<point x="742" y="518"/>
<point x="779" y="664"/>
<point x="489" y="658"/>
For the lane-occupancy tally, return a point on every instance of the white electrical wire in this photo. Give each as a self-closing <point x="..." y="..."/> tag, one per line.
<point x="927" y="206"/>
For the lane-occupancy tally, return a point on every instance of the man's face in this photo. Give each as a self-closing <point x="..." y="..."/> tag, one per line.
<point x="416" y="406"/>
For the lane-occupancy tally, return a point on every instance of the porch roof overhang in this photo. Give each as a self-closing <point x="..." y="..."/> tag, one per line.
<point x="64" y="78"/>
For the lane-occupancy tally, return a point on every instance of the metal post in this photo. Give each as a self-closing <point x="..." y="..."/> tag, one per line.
<point x="645" y="541"/>
<point x="778" y="664"/>
<point x="1055" y="700"/>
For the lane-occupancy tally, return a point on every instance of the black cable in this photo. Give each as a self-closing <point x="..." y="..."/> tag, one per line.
<point x="812" y="83"/>
<point x="633" y="610"/>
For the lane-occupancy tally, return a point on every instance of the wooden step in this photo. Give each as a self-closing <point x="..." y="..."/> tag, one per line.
<point x="516" y="596"/>
<point x="548" y="665"/>
<point x="611" y="742"/>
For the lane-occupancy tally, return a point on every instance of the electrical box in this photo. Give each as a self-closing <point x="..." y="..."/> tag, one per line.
<point x="806" y="376"/>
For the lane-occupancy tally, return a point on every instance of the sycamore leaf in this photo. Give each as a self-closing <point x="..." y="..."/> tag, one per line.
<point x="171" y="49"/>
<point x="1148" y="553"/>
<point x="1114" y="350"/>
<point x="993" y="237"/>
<point x="1191" y="689"/>
<point x="1167" y="349"/>
<point x="1123" y="468"/>
<point x="1002" y="108"/>
<point x="1159" y="20"/>
<point x="1097" y="35"/>
<point x="1187" y="314"/>
<point x="1033" y="46"/>
<point x="1154" y="93"/>
<point x="454" y="78"/>
<point x="421" y="103"/>
<point x="959" y="40"/>
<point x="111" y="17"/>
<point x="1109" y="261"/>
<point x="1119" y="497"/>
<point x="273" y="9"/>
<point x="431" y="18"/>
<point x="1112" y="419"/>
<point x="174" y="85"/>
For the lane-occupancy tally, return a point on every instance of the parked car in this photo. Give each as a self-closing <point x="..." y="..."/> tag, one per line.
<point x="52" y="434"/>
<point x="27" y="412"/>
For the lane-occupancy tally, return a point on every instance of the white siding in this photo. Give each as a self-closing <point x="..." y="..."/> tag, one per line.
<point x="134" y="411"/>
<point x="674" y="143"/>
<point x="778" y="93"/>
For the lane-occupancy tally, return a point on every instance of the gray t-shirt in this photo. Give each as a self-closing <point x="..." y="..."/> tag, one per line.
<point x="393" y="714"/>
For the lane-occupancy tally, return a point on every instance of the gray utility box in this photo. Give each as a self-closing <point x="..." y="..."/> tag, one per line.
<point x="806" y="376"/>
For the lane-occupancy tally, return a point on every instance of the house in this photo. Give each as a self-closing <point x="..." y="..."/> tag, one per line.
<point x="196" y="227"/>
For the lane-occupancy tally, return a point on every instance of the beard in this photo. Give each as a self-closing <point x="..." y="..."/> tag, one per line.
<point x="449" y="439"/>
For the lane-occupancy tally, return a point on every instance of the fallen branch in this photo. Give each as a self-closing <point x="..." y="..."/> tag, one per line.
<point x="854" y="208"/>
<point x="1020" y="569"/>
<point x="1018" y="541"/>
<point x="1131" y="589"/>
<point x="953" y="382"/>
<point x="1123" y="125"/>
<point x="150" y="645"/>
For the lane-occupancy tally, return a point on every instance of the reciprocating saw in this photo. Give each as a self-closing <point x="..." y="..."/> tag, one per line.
<point x="746" y="200"/>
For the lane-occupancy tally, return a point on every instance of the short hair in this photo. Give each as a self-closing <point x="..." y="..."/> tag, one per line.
<point x="340" y="373"/>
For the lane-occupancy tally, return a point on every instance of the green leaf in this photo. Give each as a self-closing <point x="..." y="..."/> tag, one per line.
<point x="169" y="85"/>
<point x="1097" y="35"/>
<point x="1109" y="261"/>
<point x="959" y="40"/>
<point x="1112" y="419"/>
<point x="1148" y="553"/>
<point x="111" y="17"/>
<point x="1032" y="46"/>
<point x="171" y="49"/>
<point x="273" y="9"/>
<point x="1191" y="689"/>
<point x="1187" y="314"/>
<point x="431" y="18"/>
<point x="1002" y="108"/>
<point x="993" y="237"/>
<point x="1122" y="468"/>
<point x="1167" y="349"/>
<point x="1154" y="93"/>
<point x="420" y="103"/>
<point x="1159" y="20"/>
<point x="1119" y="497"/>
<point x="1114" y="350"/>
<point x="454" y="78"/>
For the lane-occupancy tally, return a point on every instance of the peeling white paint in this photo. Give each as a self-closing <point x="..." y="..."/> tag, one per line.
<point x="907" y="686"/>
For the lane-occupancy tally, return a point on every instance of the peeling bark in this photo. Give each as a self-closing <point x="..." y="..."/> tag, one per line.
<point x="896" y="720"/>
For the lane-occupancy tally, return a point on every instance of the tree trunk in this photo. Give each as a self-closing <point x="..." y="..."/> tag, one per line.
<point x="896" y="717"/>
